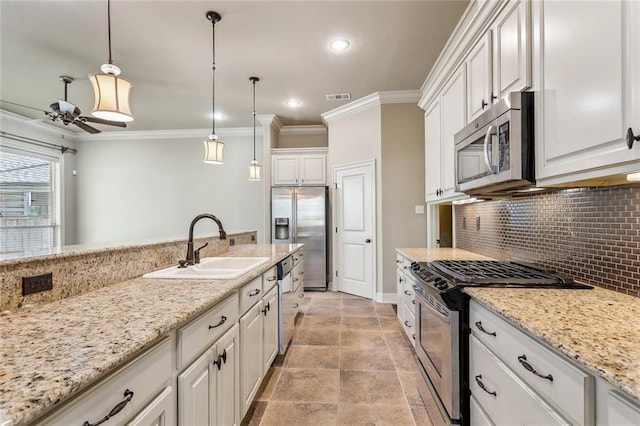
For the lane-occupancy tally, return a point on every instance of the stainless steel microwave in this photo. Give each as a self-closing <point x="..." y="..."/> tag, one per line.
<point x="495" y="153"/>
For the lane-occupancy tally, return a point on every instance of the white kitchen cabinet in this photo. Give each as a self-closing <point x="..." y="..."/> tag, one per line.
<point x="135" y="387"/>
<point x="587" y="62"/>
<point x="406" y="297"/>
<point x="207" y="389"/>
<point x="622" y="411"/>
<point x="251" y="359"/>
<point x="302" y="169"/>
<point x="479" y="70"/>
<point x="159" y="412"/>
<point x="270" y="311"/>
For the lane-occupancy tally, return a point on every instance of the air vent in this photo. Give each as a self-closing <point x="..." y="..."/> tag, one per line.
<point x="338" y="96"/>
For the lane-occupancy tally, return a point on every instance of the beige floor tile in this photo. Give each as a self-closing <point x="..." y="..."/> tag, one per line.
<point x="404" y="359"/>
<point x="359" y="311"/>
<point x="307" y="385"/>
<point x="311" y="336"/>
<point x="360" y="323"/>
<point x="313" y="357"/>
<point x="268" y="384"/>
<point x="421" y="416"/>
<point x="254" y="414"/>
<point x="357" y="302"/>
<point x="300" y="413"/>
<point x="379" y="415"/>
<point x="321" y="322"/>
<point x="358" y="358"/>
<point x="386" y="310"/>
<point x="362" y="338"/>
<point x="397" y="339"/>
<point x="370" y="387"/>
<point x="321" y="309"/>
<point x="409" y="382"/>
<point x="326" y="295"/>
<point x="390" y="324"/>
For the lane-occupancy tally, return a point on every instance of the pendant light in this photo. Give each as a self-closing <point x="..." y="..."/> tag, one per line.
<point x="110" y="91"/>
<point x="255" y="169"/>
<point x="212" y="145"/>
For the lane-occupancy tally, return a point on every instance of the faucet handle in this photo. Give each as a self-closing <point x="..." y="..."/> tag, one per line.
<point x="196" y="253"/>
<point x="182" y="263"/>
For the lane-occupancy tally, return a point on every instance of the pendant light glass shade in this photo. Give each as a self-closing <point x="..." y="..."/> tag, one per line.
<point x="212" y="145"/>
<point x="255" y="169"/>
<point x="213" y="150"/>
<point x="110" y="91"/>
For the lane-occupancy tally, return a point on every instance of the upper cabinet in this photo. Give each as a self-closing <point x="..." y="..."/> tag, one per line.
<point x="478" y="62"/>
<point x="587" y="58"/>
<point x="299" y="169"/>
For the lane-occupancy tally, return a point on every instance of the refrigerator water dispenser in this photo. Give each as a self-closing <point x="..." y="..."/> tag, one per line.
<point x="282" y="228"/>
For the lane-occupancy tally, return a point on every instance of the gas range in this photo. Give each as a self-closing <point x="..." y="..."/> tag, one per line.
<point x="445" y="278"/>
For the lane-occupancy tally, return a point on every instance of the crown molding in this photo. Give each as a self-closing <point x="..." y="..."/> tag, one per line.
<point x="313" y="129"/>
<point x="270" y="120"/>
<point x="373" y="100"/>
<point x="38" y="124"/>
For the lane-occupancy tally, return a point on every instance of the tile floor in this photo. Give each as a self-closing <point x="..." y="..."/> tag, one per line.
<point x="349" y="364"/>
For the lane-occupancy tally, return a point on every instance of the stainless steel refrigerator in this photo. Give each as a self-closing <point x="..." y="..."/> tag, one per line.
<point x="299" y="215"/>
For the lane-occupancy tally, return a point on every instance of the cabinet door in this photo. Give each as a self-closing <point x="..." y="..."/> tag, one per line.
<point x="453" y="119"/>
<point x="196" y="389"/>
<point x="511" y="52"/>
<point x="313" y="169"/>
<point x="227" y="396"/>
<point x="159" y="412"/>
<point x="432" y="160"/>
<point x="285" y="169"/>
<point x="270" y="312"/>
<point x="622" y="411"/>
<point x="251" y="341"/>
<point x="479" y="77"/>
<point x="588" y="90"/>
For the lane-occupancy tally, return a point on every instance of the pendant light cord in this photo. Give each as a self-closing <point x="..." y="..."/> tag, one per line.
<point x="109" y="28"/>
<point x="213" y="79"/>
<point x="254" y="118"/>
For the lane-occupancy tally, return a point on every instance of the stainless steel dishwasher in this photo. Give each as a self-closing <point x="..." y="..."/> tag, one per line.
<point x="288" y="305"/>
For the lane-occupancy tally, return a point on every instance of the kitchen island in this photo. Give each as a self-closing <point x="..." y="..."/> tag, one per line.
<point x="51" y="352"/>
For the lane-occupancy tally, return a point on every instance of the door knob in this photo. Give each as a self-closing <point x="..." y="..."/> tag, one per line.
<point x="368" y="240"/>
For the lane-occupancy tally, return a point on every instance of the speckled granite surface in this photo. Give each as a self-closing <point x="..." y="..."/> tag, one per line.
<point x="51" y="351"/>
<point x="599" y="328"/>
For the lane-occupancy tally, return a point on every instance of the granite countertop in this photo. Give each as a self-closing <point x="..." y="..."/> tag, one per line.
<point x="596" y="328"/>
<point x="52" y="351"/>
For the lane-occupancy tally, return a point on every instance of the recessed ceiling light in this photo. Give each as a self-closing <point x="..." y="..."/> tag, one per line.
<point x="339" y="44"/>
<point x="293" y="103"/>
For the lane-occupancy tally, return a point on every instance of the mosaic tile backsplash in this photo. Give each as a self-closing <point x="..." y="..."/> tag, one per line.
<point x="590" y="234"/>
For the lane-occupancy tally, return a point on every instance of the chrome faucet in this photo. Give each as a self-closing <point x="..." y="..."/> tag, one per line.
<point x="194" y="257"/>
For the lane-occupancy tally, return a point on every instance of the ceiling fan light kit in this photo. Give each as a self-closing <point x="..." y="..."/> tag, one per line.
<point x="111" y="92"/>
<point x="212" y="145"/>
<point x="255" y="169"/>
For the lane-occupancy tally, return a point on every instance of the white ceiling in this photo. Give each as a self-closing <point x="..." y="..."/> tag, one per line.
<point x="164" y="48"/>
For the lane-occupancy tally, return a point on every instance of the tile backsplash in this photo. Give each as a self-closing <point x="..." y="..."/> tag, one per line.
<point x="590" y="234"/>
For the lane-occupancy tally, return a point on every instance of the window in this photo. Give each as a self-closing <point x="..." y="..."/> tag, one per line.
<point x="28" y="202"/>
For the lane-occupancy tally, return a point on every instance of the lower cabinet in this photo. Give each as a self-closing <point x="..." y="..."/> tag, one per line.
<point x="208" y="388"/>
<point x="159" y="412"/>
<point x="251" y="339"/>
<point x="406" y="298"/>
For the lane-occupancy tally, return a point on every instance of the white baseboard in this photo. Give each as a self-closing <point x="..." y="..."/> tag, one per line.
<point x="386" y="297"/>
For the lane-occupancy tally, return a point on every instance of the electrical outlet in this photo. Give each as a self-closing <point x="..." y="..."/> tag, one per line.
<point x="419" y="209"/>
<point x="37" y="283"/>
<point x="477" y="223"/>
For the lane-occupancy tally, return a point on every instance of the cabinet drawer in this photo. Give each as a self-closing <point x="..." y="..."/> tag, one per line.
<point x="505" y="398"/>
<point x="269" y="279"/>
<point x="201" y="333"/>
<point x="144" y="377"/>
<point x="297" y="275"/>
<point x="250" y="294"/>
<point x="477" y="416"/>
<point x="408" y="294"/>
<point x="568" y="388"/>
<point x="298" y="256"/>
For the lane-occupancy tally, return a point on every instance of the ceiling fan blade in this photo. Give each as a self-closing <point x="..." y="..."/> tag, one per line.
<point x="85" y="118"/>
<point x="23" y="106"/>
<point x="86" y="127"/>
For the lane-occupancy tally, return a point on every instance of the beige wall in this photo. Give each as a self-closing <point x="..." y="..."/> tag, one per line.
<point x="402" y="171"/>
<point x="302" y="141"/>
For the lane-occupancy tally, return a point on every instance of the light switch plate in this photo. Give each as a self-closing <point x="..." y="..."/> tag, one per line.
<point x="419" y="209"/>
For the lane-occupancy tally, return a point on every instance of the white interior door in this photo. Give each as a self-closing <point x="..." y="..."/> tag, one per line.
<point x="355" y="229"/>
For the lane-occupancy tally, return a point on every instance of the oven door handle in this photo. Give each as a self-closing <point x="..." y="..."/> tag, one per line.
<point x="487" y="161"/>
<point x="424" y="302"/>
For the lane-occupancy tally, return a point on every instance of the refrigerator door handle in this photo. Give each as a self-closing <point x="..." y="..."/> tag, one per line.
<point x="294" y="216"/>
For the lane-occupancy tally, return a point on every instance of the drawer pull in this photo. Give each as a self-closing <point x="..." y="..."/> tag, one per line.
<point x="401" y="279"/>
<point x="301" y="295"/>
<point x="398" y="261"/>
<point x="481" y="328"/>
<point x="413" y="301"/>
<point x="295" y="280"/>
<point x="128" y="395"/>
<point x="523" y="361"/>
<point x="295" y="306"/>
<point x="254" y="292"/>
<point x="408" y="293"/>
<point x="414" y="336"/>
<point x="483" y="387"/>
<point x="272" y="278"/>
<point x="223" y="319"/>
<point x="407" y="324"/>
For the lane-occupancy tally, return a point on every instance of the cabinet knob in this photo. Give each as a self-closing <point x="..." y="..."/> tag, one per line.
<point x="483" y="104"/>
<point x="631" y="138"/>
<point x="493" y="97"/>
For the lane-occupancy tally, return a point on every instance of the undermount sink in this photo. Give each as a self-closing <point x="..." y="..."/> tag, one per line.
<point x="210" y="268"/>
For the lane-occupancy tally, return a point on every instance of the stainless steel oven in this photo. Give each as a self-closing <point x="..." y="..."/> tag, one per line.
<point x="495" y="152"/>
<point x="437" y="349"/>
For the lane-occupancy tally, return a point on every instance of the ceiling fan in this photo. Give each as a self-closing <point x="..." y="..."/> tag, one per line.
<point x="67" y="113"/>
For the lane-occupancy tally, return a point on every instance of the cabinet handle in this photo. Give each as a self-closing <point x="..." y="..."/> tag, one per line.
<point x="414" y="336"/>
<point x="301" y="295"/>
<point x="295" y="306"/>
<point x="493" y="97"/>
<point x="407" y="324"/>
<point x="631" y="138"/>
<point x="408" y="293"/>
<point x="272" y="278"/>
<point x="482" y="386"/>
<point x="481" y="328"/>
<point x="295" y="280"/>
<point x="413" y="301"/>
<point x="522" y="359"/>
<point x="128" y="395"/>
<point x="398" y="261"/>
<point x="266" y="309"/>
<point x="401" y="280"/>
<point x="254" y="292"/>
<point x="221" y="359"/>
<point x="223" y="319"/>
<point x="483" y="104"/>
